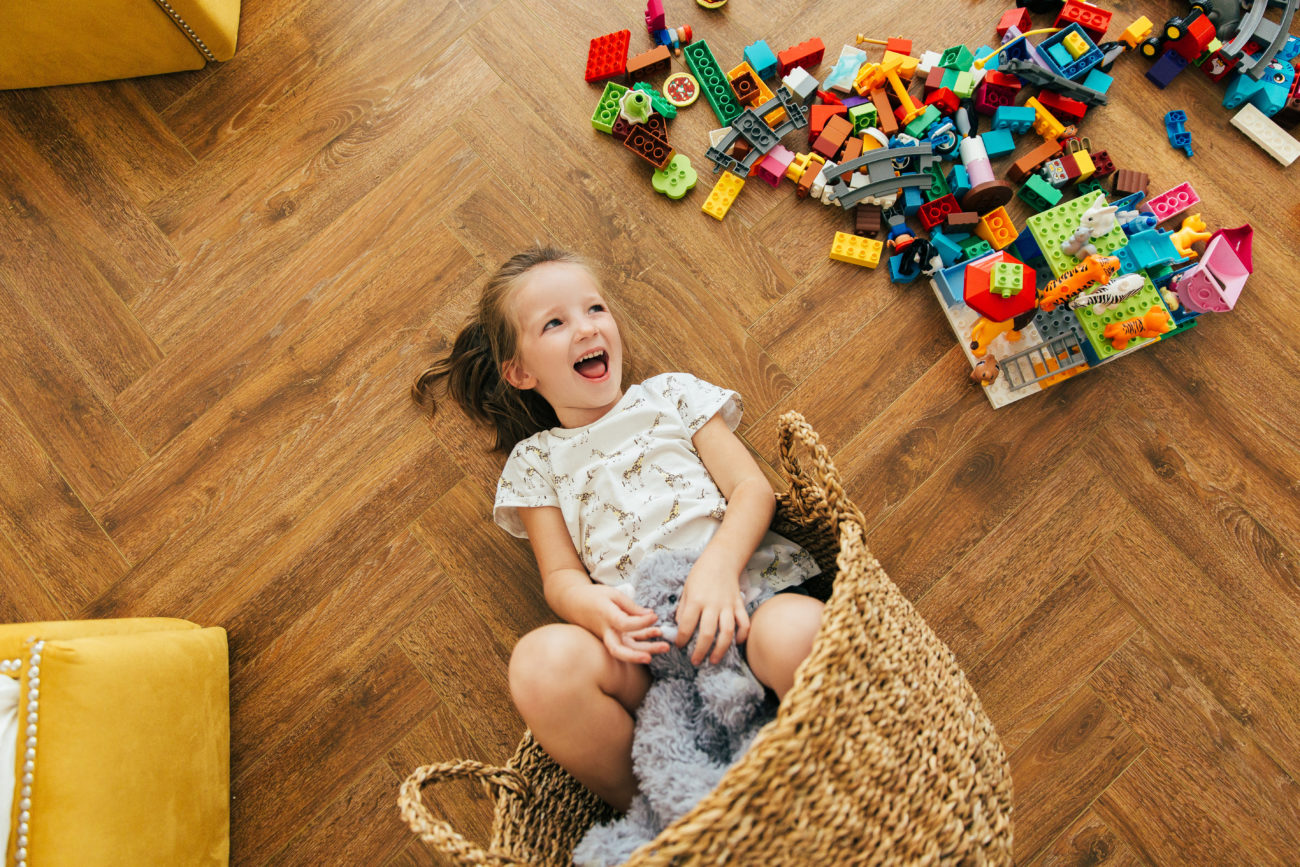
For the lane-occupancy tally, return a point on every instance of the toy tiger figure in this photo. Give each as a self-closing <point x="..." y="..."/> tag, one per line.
<point x="1151" y="324"/>
<point x="1094" y="269"/>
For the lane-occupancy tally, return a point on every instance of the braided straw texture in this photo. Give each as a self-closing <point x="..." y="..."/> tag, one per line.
<point x="880" y="753"/>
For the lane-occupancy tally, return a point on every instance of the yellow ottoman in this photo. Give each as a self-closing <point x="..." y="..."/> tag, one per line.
<point x="43" y="43"/>
<point x="122" y="743"/>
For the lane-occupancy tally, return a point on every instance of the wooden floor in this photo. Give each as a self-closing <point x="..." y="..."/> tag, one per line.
<point x="216" y="288"/>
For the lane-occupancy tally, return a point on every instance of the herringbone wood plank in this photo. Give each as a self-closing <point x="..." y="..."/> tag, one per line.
<point x="217" y="286"/>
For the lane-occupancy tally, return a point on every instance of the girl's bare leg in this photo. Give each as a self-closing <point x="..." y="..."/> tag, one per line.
<point x="578" y="700"/>
<point x="781" y="633"/>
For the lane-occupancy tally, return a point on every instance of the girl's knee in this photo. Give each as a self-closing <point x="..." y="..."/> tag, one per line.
<point x="782" y="630"/>
<point x="551" y="661"/>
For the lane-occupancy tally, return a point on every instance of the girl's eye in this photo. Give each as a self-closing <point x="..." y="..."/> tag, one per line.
<point x="549" y="324"/>
<point x="598" y="307"/>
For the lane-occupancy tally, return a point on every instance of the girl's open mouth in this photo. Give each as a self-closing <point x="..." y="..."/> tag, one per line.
<point x="593" y="365"/>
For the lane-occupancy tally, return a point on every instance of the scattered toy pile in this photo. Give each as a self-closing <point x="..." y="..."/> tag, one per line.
<point x="1087" y="280"/>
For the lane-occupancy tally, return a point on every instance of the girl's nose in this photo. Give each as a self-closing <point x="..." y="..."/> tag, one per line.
<point x="586" y="326"/>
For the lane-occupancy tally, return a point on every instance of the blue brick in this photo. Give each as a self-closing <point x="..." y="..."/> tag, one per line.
<point x="1098" y="81"/>
<point x="1018" y="119"/>
<point x="761" y="59"/>
<point x="998" y="143"/>
<point x="959" y="181"/>
<point x="948" y="249"/>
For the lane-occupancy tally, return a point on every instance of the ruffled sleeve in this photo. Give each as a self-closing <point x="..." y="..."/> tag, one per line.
<point x="526" y="481"/>
<point x="698" y="401"/>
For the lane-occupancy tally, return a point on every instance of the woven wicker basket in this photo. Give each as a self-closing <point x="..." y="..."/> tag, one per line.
<point x="880" y="753"/>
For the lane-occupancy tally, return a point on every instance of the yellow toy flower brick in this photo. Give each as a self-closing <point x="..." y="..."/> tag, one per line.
<point x="855" y="250"/>
<point x="724" y="192"/>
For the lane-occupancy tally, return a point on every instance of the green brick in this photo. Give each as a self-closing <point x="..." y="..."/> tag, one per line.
<point x="958" y="57"/>
<point x="1039" y="194"/>
<point x="607" y="108"/>
<point x="975" y="247"/>
<point x="1051" y="228"/>
<point x="964" y="85"/>
<point x="1007" y="279"/>
<point x="922" y="122"/>
<point x="717" y="89"/>
<point x="665" y="108"/>
<point x="1089" y="186"/>
<point x="1093" y="325"/>
<point x="863" y="117"/>
<point x="940" y="187"/>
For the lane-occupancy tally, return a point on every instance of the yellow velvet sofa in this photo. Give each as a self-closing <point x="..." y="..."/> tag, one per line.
<point x="121" y="734"/>
<point x="44" y="43"/>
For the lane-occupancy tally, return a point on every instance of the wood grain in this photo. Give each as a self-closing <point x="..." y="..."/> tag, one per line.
<point x="217" y="286"/>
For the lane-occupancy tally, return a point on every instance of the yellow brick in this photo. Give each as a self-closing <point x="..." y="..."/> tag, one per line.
<point x="1087" y="167"/>
<point x="724" y="192"/>
<point x="1074" y="44"/>
<point x="1136" y="32"/>
<point x="997" y="228"/>
<point x="856" y="250"/>
<point x="1045" y="123"/>
<point x="906" y="64"/>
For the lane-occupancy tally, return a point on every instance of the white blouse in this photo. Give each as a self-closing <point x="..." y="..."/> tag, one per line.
<point x="631" y="483"/>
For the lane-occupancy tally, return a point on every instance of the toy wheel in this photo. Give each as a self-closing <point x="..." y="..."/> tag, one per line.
<point x="1173" y="32"/>
<point x="1150" y="48"/>
<point x="681" y="89"/>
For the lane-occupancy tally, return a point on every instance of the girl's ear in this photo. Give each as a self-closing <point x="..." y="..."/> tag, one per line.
<point x="517" y="376"/>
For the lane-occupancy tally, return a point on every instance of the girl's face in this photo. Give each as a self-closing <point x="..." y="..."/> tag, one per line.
<point x="569" y="348"/>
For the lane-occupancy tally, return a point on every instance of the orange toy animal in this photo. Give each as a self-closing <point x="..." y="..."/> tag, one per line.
<point x="1094" y="269"/>
<point x="1193" y="230"/>
<point x="1154" y="323"/>
<point x="985" y="331"/>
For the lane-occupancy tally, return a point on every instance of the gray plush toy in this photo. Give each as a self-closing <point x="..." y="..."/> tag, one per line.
<point x="693" y="724"/>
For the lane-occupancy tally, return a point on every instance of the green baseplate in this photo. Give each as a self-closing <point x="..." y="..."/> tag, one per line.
<point x="1050" y="229"/>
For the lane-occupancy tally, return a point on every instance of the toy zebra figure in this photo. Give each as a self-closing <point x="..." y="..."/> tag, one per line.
<point x="1095" y="222"/>
<point x="1120" y="289"/>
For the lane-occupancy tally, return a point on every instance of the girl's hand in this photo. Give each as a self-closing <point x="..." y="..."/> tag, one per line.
<point x="627" y="629"/>
<point x="712" y="601"/>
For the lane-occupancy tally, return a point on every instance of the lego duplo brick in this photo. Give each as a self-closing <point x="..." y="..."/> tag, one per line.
<point x="805" y="55"/>
<point x="856" y="250"/>
<point x="1021" y="168"/>
<point x="760" y="57"/>
<point x="818" y="115"/>
<point x="745" y="87"/>
<point x="837" y="129"/>
<point x="885" y="112"/>
<point x="724" y="192"/>
<point x="867" y="220"/>
<point x="776" y="116"/>
<point x="647" y="63"/>
<point x="648" y="146"/>
<point x="607" y="55"/>
<point x="1094" y="324"/>
<point x="1062" y="106"/>
<point x="1053" y="227"/>
<point x="717" y="90"/>
<point x="934" y="212"/>
<point x="607" y="110"/>
<point x="1128" y="181"/>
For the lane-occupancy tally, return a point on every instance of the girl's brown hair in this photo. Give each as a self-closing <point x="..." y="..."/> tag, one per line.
<point x="471" y="374"/>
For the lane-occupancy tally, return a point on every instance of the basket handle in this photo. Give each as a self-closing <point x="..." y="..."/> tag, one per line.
<point x="819" y="491"/>
<point x="438" y="832"/>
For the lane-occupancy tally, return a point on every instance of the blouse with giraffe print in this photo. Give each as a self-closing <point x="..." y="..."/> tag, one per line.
<point x="631" y="483"/>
